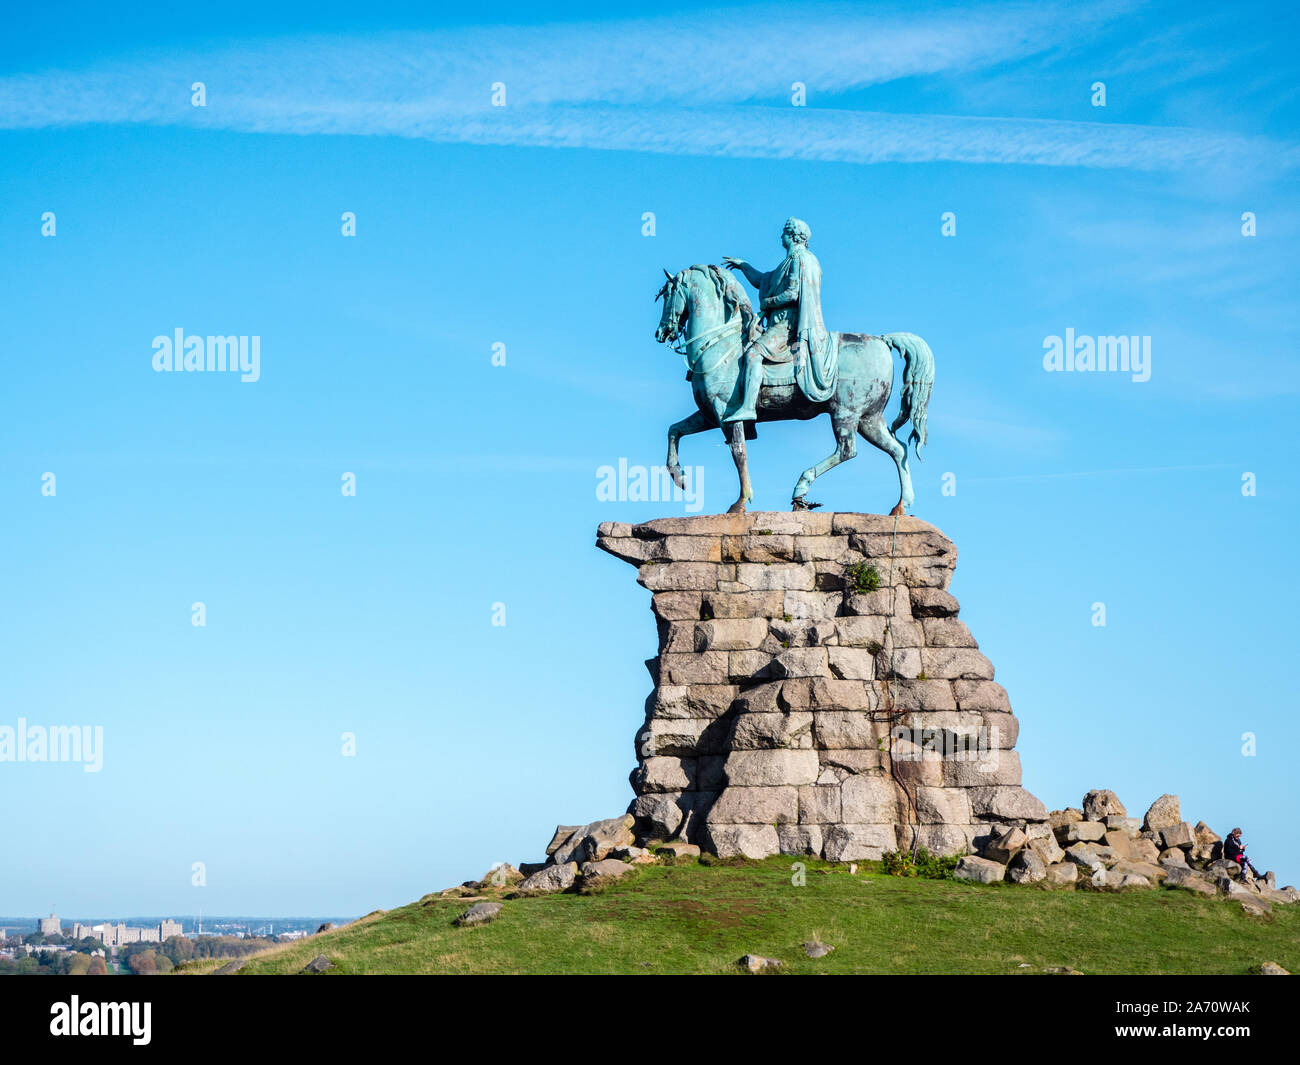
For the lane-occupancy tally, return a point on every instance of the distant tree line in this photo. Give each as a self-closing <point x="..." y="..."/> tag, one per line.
<point x="139" y="958"/>
<point x="178" y="950"/>
<point x="54" y="963"/>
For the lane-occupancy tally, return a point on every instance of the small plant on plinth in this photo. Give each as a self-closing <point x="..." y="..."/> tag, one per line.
<point x="865" y="577"/>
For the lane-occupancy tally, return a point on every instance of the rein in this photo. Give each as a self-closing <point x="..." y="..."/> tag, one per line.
<point x="710" y="337"/>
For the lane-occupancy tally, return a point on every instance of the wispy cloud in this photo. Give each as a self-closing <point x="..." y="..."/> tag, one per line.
<point x="699" y="85"/>
<point x="387" y="80"/>
<point x="1125" y="471"/>
<point x="868" y="137"/>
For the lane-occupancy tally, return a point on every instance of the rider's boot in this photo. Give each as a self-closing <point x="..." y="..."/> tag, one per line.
<point x="748" y="409"/>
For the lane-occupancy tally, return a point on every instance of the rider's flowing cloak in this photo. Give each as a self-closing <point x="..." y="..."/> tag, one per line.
<point x="816" y="355"/>
<point x="816" y="359"/>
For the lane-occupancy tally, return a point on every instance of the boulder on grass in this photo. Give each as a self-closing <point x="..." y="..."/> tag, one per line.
<point x="1283" y="897"/>
<point x="1062" y="873"/>
<point x="1193" y="884"/>
<point x="550" y="880"/>
<point x="1127" y="867"/>
<point x="479" y="913"/>
<point x="979" y="869"/>
<point x="595" y="841"/>
<point x="1234" y="889"/>
<point x="598" y="874"/>
<point x="1027" y="868"/>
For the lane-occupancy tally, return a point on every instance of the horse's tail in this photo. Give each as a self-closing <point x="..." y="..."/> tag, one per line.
<point x="918" y="380"/>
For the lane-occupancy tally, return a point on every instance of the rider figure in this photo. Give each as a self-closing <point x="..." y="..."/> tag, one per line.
<point x="790" y="297"/>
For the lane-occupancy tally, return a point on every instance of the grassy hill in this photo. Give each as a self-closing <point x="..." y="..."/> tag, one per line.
<point x="700" y="917"/>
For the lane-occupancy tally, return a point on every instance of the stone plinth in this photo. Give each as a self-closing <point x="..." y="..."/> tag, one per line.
<point x="815" y="692"/>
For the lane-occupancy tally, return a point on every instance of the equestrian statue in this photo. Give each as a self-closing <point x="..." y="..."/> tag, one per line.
<point x="782" y="364"/>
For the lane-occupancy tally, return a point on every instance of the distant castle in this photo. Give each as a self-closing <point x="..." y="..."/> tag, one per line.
<point x="113" y="935"/>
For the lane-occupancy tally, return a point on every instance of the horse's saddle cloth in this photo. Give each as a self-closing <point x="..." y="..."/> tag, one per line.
<point x="778" y="373"/>
<point x="774" y="373"/>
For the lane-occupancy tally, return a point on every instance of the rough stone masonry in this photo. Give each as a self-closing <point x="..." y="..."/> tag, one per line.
<point x="806" y="703"/>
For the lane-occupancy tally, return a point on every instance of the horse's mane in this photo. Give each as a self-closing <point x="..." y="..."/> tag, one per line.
<point x="734" y="298"/>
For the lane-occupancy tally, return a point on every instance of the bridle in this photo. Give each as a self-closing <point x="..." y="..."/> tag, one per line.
<point x="705" y="340"/>
<point x="666" y="293"/>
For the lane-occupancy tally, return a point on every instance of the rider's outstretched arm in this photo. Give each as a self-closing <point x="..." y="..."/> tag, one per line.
<point x="753" y="276"/>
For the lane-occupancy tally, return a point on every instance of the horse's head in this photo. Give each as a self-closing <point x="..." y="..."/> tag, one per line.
<point x="676" y="309"/>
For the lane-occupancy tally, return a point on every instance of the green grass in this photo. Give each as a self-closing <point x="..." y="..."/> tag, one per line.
<point x="694" y="918"/>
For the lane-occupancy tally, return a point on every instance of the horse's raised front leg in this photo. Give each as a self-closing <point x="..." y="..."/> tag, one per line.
<point x="873" y="429"/>
<point x="736" y="438"/>
<point x="696" y="423"/>
<point x="847" y="447"/>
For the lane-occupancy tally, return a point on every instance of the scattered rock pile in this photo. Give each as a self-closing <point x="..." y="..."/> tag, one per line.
<point x="579" y="858"/>
<point x="1101" y="847"/>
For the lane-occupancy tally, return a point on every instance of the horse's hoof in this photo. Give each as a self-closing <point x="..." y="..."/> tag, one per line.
<point x="736" y="508"/>
<point x="803" y="504"/>
<point x="899" y="511"/>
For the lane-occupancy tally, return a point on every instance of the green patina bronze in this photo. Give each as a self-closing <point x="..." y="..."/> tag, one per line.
<point x="787" y="366"/>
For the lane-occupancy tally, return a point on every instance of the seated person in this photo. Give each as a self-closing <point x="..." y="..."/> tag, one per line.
<point x="1235" y="851"/>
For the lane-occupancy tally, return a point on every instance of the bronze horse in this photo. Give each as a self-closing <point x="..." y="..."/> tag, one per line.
<point x="711" y="312"/>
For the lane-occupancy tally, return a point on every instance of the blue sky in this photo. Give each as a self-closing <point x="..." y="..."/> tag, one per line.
<point x="476" y="484"/>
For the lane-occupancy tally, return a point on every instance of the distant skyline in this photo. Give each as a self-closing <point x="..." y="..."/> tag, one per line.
<point x="348" y="729"/>
<point x="184" y="918"/>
